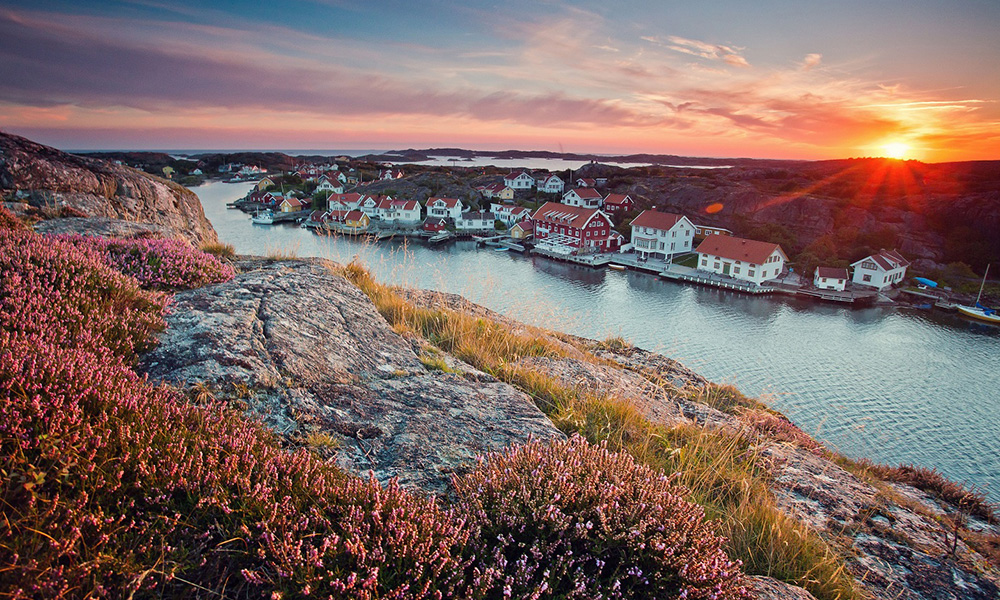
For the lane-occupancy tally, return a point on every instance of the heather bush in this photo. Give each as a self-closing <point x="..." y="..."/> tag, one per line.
<point x="8" y="220"/>
<point x="161" y="264"/>
<point x="572" y="520"/>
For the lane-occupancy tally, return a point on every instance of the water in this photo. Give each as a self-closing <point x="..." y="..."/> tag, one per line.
<point x="894" y="386"/>
<point x="550" y="164"/>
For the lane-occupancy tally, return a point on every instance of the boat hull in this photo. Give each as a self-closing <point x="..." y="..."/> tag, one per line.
<point x="979" y="314"/>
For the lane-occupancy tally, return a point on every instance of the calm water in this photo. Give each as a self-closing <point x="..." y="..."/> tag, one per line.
<point x="893" y="386"/>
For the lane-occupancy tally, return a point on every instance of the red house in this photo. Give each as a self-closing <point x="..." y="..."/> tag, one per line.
<point x="571" y="228"/>
<point x="435" y="224"/>
<point x="618" y="204"/>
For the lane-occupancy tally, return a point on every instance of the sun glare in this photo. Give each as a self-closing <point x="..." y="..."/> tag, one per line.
<point x="896" y="150"/>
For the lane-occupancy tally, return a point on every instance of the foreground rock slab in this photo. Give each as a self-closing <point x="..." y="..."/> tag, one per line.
<point x="308" y="354"/>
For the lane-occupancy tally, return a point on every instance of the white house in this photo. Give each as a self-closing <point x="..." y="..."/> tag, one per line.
<point x="497" y="190"/>
<point x="508" y="213"/>
<point x="661" y="234"/>
<point x="475" y="221"/>
<point x="445" y="207"/>
<point x="343" y="202"/>
<point x="332" y="186"/>
<point x="550" y="184"/>
<point x="399" y="211"/>
<point x="519" y="181"/>
<point x="583" y="197"/>
<point x="880" y="270"/>
<point x="370" y="205"/>
<point x="830" y="278"/>
<point x="746" y="260"/>
<point x="388" y="174"/>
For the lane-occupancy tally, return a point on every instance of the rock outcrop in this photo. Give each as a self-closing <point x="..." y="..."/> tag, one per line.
<point x="312" y="358"/>
<point x="52" y="181"/>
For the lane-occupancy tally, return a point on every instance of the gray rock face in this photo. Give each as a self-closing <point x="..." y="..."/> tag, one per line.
<point x="309" y="355"/>
<point x="895" y="547"/>
<point x="49" y="178"/>
<point x="105" y="227"/>
<point x="767" y="588"/>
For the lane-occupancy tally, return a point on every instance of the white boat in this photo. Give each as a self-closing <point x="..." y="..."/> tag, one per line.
<point x="980" y="312"/>
<point x="263" y="218"/>
<point x="617" y="267"/>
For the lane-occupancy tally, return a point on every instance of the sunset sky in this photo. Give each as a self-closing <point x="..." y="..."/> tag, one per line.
<point x="773" y="79"/>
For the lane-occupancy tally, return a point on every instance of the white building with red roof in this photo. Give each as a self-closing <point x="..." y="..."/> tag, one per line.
<point x="390" y="210"/>
<point x="519" y="180"/>
<point x="880" y="270"/>
<point x="445" y="207"/>
<point x="509" y="214"/>
<point x="497" y="190"/>
<point x="585" y="197"/>
<point x="661" y="234"/>
<point x="550" y="184"/>
<point x="746" y="260"/>
<point x="586" y="182"/>
<point x="566" y="229"/>
<point x="343" y="201"/>
<point x="830" y="278"/>
<point x="327" y="184"/>
<point x="389" y="174"/>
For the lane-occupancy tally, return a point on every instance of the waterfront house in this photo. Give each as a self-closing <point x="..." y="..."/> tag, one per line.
<point x="703" y="231"/>
<point x="445" y="207"/>
<point x="746" y="260"/>
<point x="335" y="175"/>
<point x="583" y="197"/>
<point x="519" y="180"/>
<point x="830" y="278"/>
<point x="618" y="204"/>
<point x="343" y="201"/>
<point x="475" y="221"/>
<point x="661" y="234"/>
<point x="566" y="229"/>
<point x="497" y="190"/>
<point x="356" y="220"/>
<point x="880" y="270"/>
<point x="262" y="185"/>
<point x="399" y="211"/>
<point x="508" y="213"/>
<point x="522" y="230"/>
<point x="369" y="205"/>
<point x="435" y="224"/>
<point x="290" y="204"/>
<point x="550" y="184"/>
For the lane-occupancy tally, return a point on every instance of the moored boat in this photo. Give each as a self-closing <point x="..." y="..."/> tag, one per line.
<point x="980" y="312"/>
<point x="263" y="218"/>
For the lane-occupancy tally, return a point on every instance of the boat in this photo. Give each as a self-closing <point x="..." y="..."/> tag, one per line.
<point x="617" y="267"/>
<point x="263" y="218"/>
<point x="980" y="312"/>
<point x="501" y="249"/>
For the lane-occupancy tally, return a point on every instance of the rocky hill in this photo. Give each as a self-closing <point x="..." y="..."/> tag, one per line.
<point x="51" y="184"/>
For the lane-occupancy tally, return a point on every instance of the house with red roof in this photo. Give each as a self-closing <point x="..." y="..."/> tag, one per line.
<point x="327" y="184"/>
<point x="497" y="190"/>
<point x="389" y="174"/>
<point x="585" y="197"/>
<point x="703" y="231"/>
<point x="509" y="214"/>
<point x="356" y="221"/>
<point x="618" y="204"/>
<point x="343" y="201"/>
<point x="550" y="184"/>
<point x="830" y="278"/>
<point x="290" y="204"/>
<point x="661" y="234"/>
<point x="567" y="229"/>
<point x="586" y="182"/>
<point x="390" y="210"/>
<point x="445" y="207"/>
<point x="746" y="260"/>
<point x="522" y="230"/>
<point x="520" y="180"/>
<point x="880" y="270"/>
<point x="435" y="224"/>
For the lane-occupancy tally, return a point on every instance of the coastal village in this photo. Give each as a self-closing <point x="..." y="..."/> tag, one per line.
<point x="575" y="221"/>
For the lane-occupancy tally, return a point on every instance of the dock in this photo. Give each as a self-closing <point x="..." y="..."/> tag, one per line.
<point x="588" y="260"/>
<point x="690" y="275"/>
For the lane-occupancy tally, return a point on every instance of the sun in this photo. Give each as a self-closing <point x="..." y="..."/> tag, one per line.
<point x="897" y="150"/>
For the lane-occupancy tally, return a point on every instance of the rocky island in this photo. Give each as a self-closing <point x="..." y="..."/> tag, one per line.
<point x="245" y="426"/>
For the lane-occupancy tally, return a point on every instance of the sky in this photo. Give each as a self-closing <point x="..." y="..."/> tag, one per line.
<point x="769" y="79"/>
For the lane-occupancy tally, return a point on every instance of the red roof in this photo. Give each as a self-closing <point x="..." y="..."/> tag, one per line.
<point x="564" y="214"/>
<point x="587" y="193"/>
<point x="352" y="198"/>
<point x="735" y="248"/>
<point x="525" y="225"/>
<point x="656" y="220"/>
<point x="354" y="215"/>
<point x="516" y="175"/>
<point x="519" y="210"/>
<point x="831" y="273"/>
<point x="617" y="199"/>
<point x="292" y="201"/>
<point x="449" y="202"/>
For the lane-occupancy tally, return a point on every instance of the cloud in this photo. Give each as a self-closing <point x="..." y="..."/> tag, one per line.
<point x="811" y="61"/>
<point x="730" y="55"/>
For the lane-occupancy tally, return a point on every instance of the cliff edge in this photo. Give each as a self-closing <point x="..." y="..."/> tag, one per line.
<point x="57" y="184"/>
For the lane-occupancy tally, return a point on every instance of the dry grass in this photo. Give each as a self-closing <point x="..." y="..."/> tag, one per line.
<point x="220" y="250"/>
<point x="722" y="470"/>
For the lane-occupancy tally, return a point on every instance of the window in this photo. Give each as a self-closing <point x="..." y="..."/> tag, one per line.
<point x="866" y="277"/>
<point x="672" y="244"/>
<point x="704" y="262"/>
<point x="687" y="233"/>
<point x="716" y="265"/>
<point x="673" y="234"/>
<point x="751" y="273"/>
<point x="736" y="270"/>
